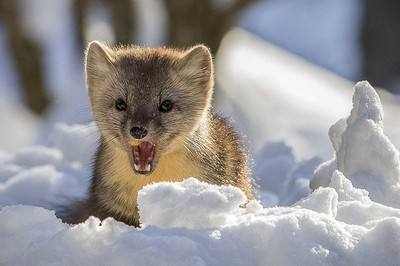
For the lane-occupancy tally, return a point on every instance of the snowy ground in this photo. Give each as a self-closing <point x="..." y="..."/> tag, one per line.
<point x="353" y="219"/>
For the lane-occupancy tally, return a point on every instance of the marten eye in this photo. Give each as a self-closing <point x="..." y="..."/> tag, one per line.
<point x="165" y="106"/>
<point x="120" y="105"/>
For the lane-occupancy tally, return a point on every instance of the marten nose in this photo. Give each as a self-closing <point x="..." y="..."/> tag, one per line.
<point x="138" y="132"/>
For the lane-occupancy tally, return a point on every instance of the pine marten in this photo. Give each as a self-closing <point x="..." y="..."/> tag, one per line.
<point x="152" y="107"/>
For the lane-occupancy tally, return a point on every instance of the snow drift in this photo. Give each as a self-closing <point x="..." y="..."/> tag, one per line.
<point x="348" y="221"/>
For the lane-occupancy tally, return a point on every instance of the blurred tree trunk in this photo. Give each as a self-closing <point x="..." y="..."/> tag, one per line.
<point x="122" y="20"/>
<point x="200" y="21"/>
<point x="381" y="42"/>
<point x="190" y="21"/>
<point x="79" y="10"/>
<point x="121" y="14"/>
<point x="27" y="58"/>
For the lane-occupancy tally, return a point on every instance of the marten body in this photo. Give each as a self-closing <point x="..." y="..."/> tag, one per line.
<point x="152" y="106"/>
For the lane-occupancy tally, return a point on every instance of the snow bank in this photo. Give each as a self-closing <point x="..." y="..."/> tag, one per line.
<point x="262" y="87"/>
<point x="194" y="223"/>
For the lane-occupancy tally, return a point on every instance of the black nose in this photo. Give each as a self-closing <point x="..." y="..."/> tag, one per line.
<point x="138" y="132"/>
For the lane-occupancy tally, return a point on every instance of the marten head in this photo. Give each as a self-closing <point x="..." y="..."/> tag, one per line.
<point x="148" y="101"/>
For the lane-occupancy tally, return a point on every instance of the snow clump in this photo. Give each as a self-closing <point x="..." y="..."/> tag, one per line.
<point x="364" y="154"/>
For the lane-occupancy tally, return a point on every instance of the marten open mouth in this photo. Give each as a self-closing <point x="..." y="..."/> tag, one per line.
<point x="143" y="155"/>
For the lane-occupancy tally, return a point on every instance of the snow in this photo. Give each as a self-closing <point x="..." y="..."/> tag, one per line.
<point x="188" y="204"/>
<point x="47" y="176"/>
<point x="244" y="62"/>
<point x="363" y="152"/>
<point x="346" y="222"/>
<point x="281" y="178"/>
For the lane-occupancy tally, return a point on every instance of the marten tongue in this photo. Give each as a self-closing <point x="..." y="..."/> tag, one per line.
<point x="143" y="155"/>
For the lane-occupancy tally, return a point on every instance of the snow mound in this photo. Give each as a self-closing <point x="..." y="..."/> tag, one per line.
<point x="345" y="222"/>
<point x="364" y="153"/>
<point x="190" y="204"/>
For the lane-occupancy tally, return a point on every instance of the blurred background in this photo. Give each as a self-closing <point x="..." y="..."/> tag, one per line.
<point x="284" y="68"/>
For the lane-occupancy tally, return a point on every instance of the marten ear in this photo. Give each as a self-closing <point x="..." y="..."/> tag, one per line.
<point x="98" y="63"/>
<point x="196" y="64"/>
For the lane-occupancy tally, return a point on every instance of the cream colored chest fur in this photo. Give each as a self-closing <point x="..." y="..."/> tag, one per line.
<point x="125" y="185"/>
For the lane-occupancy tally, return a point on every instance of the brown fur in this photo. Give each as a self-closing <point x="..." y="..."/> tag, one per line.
<point x="190" y="140"/>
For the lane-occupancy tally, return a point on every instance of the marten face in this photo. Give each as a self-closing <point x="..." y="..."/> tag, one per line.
<point x="148" y="101"/>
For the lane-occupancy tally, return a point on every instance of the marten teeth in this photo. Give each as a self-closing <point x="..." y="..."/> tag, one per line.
<point x="143" y="156"/>
<point x="148" y="167"/>
<point x="138" y="168"/>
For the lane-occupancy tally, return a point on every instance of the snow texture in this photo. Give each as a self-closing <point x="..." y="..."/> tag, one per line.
<point x="346" y="222"/>
<point x="189" y="204"/>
